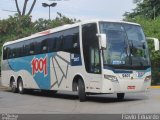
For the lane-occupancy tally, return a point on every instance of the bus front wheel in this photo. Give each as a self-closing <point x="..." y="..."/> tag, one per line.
<point x="81" y="90"/>
<point x="120" y="96"/>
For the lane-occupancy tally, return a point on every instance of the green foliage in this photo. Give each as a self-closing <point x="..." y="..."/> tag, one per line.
<point x="43" y="24"/>
<point x="14" y="28"/>
<point x="149" y="9"/>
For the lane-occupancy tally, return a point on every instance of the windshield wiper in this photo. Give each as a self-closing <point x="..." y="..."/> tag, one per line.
<point x="131" y="51"/>
<point x="117" y="66"/>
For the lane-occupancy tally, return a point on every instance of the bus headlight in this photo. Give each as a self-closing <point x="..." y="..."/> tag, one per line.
<point x="110" y="77"/>
<point x="148" y="78"/>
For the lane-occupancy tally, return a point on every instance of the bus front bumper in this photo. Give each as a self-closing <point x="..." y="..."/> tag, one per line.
<point x="124" y="86"/>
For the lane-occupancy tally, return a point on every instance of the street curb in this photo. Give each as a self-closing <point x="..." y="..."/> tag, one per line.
<point x="155" y="87"/>
<point x="3" y="88"/>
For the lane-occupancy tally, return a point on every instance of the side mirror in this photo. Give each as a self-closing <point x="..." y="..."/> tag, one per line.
<point x="156" y="43"/>
<point x="103" y="40"/>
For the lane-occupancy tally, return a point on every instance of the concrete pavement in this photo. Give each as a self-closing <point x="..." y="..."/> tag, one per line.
<point x="68" y="103"/>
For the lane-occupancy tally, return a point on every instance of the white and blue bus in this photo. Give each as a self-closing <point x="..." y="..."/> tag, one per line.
<point x="92" y="57"/>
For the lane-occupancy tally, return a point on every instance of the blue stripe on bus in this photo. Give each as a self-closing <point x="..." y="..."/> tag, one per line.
<point x="43" y="81"/>
<point x="24" y="63"/>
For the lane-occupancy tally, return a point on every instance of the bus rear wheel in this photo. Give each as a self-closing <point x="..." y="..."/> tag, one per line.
<point x="81" y="90"/>
<point x="13" y="86"/>
<point x="120" y="96"/>
<point x="20" y="87"/>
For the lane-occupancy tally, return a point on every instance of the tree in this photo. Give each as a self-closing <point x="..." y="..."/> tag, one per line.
<point x="149" y="9"/>
<point x="23" y="12"/>
<point x="43" y="24"/>
<point x="15" y="27"/>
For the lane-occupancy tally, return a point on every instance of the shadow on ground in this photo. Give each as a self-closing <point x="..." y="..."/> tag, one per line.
<point x="104" y="98"/>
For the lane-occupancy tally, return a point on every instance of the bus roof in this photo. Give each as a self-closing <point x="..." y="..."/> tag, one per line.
<point x="64" y="27"/>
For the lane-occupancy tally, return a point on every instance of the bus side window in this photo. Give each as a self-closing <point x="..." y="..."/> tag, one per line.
<point x="44" y="46"/>
<point x="26" y="48"/>
<point x="59" y="43"/>
<point x="9" y="53"/>
<point x="75" y="43"/>
<point x="51" y="44"/>
<point x="13" y="51"/>
<point x="32" y="49"/>
<point x="91" y="48"/>
<point x="71" y="41"/>
<point x="19" y="50"/>
<point x="5" y="52"/>
<point x="67" y="40"/>
<point x="95" y="61"/>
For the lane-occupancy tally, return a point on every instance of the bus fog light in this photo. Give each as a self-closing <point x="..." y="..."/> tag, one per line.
<point x="110" y="77"/>
<point x="148" y="78"/>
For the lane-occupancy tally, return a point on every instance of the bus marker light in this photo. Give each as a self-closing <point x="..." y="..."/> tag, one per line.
<point x="131" y="87"/>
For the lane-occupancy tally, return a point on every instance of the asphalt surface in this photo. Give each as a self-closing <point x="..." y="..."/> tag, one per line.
<point x="67" y="103"/>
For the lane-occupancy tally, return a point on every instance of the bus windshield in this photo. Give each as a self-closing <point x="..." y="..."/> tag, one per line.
<point x="126" y="46"/>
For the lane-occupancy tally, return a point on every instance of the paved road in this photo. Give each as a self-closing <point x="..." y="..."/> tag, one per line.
<point x="63" y="102"/>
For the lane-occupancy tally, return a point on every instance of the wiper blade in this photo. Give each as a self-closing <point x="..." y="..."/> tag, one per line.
<point x="130" y="51"/>
<point x="118" y="65"/>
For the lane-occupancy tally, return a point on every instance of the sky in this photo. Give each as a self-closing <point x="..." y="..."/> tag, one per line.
<point x="79" y="9"/>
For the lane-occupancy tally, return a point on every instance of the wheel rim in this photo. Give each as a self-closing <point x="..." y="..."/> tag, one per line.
<point x="20" y="86"/>
<point x="12" y="85"/>
<point x="77" y="88"/>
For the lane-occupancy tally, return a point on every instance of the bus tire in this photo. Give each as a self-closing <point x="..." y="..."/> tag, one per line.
<point x="81" y="90"/>
<point x="13" y="86"/>
<point x="120" y="96"/>
<point x="20" y="87"/>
